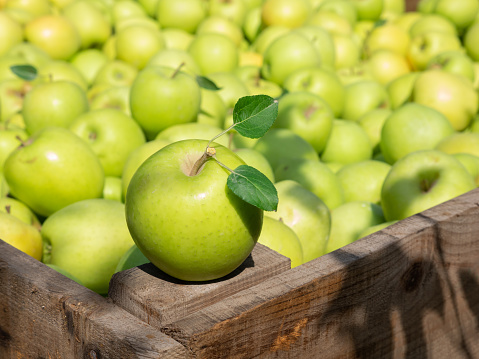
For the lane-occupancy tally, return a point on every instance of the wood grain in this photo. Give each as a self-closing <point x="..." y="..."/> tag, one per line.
<point x="43" y="314"/>
<point x="159" y="299"/>
<point x="408" y="291"/>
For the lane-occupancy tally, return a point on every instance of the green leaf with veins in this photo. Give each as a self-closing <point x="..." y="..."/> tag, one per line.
<point x="254" y="115"/>
<point x="253" y="187"/>
<point x="25" y="72"/>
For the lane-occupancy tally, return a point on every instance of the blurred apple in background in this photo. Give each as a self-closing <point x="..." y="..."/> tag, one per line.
<point x="255" y="159"/>
<point x="19" y="210"/>
<point x="456" y="62"/>
<point x="180" y="14"/>
<point x="372" y="122"/>
<point x="116" y="73"/>
<point x="460" y="142"/>
<point x="193" y="130"/>
<point x="112" y="189"/>
<point x="12" y="95"/>
<point x="322" y="41"/>
<point x="21" y="235"/>
<point x="89" y="62"/>
<point x="288" y="13"/>
<point x="470" y="41"/>
<point x="363" y="96"/>
<point x="471" y="162"/>
<point x="175" y="58"/>
<point x="400" y="89"/>
<point x="11" y="33"/>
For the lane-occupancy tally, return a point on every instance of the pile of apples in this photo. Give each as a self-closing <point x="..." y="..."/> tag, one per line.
<point x="377" y="115"/>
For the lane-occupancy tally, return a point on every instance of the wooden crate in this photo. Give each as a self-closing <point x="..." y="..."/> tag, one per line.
<point x="408" y="291"/>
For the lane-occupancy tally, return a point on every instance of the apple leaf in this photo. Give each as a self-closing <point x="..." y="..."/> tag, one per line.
<point x="206" y="83"/>
<point x="254" y="115"/>
<point x="25" y="72"/>
<point x="253" y="187"/>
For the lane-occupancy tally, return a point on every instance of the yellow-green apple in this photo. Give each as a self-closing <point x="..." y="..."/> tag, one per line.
<point x="56" y="70"/>
<point x="368" y="9"/>
<point x="255" y="159"/>
<point x="315" y="176"/>
<point x="133" y="257"/>
<point x="470" y="41"/>
<point x="425" y="46"/>
<point x="363" y="96"/>
<point x="456" y="62"/>
<point x="322" y="41"/>
<point x="355" y="73"/>
<point x="175" y="58"/>
<point x="362" y="181"/>
<point x="289" y="52"/>
<point x="109" y="47"/>
<point x="432" y="23"/>
<point x="372" y="122"/>
<point x="289" y="13"/>
<point x="386" y="66"/>
<point x="149" y="6"/>
<point x="111" y="134"/>
<point x="12" y="95"/>
<point x="347" y="143"/>
<point x="161" y="96"/>
<point x="281" y="238"/>
<point x="112" y="188"/>
<point x="234" y="10"/>
<point x="136" y="44"/>
<point x="306" y="214"/>
<point x="176" y="38"/>
<point x="27" y="53"/>
<point x="212" y="108"/>
<point x="308" y="115"/>
<point x="231" y="87"/>
<point x="20" y="210"/>
<point x="55" y="103"/>
<point x="461" y="13"/>
<point x="193" y="130"/>
<point x="361" y="31"/>
<point x="251" y="77"/>
<point x="451" y="94"/>
<point x="407" y="19"/>
<point x="116" y="73"/>
<point x="203" y="231"/>
<point x="421" y="180"/>
<point x="253" y="24"/>
<point x="53" y="169"/>
<point x="33" y="8"/>
<point x="113" y="97"/>
<point x="126" y="9"/>
<point x="400" y="89"/>
<point x="281" y="144"/>
<point x="346" y="51"/>
<point x="136" y="158"/>
<point x="331" y="22"/>
<point x="460" y="142"/>
<point x="349" y="220"/>
<point x="267" y="36"/>
<point x="221" y="25"/>
<point x="21" y="235"/>
<point x="54" y="34"/>
<point x="214" y="53"/>
<point x="410" y="128"/>
<point x="319" y="81"/>
<point x="135" y="21"/>
<point x="388" y="36"/>
<point x="11" y="33"/>
<point x="92" y="24"/>
<point x="471" y="162"/>
<point x="87" y="239"/>
<point x="89" y="62"/>
<point x="396" y="7"/>
<point x="475" y="66"/>
<point x="10" y="138"/>
<point x="182" y="14"/>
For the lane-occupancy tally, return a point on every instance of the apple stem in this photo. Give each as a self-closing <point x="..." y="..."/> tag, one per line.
<point x="22" y="143"/>
<point x="177" y="70"/>
<point x="209" y="152"/>
<point x="7" y="209"/>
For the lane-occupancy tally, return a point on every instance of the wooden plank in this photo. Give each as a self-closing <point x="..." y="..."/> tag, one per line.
<point x="408" y="291"/>
<point x="43" y="314"/>
<point x="158" y="299"/>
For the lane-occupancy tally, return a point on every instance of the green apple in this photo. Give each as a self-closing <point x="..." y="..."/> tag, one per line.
<point x="92" y="24"/>
<point x="10" y="138"/>
<point x="32" y="8"/>
<point x="149" y="6"/>
<point x="88" y="239"/>
<point x="53" y="169"/>
<point x="362" y="181"/>
<point x="136" y="158"/>
<point x="214" y="52"/>
<point x="231" y="87"/>
<point x="451" y="94"/>
<point x="349" y="220"/>
<point x="372" y="122"/>
<point x="221" y="25"/>
<point x="427" y="23"/>
<point x="55" y="103"/>
<point x="111" y="134"/>
<point x="203" y="231"/>
<point x="334" y="23"/>
<point x="347" y="143"/>
<point x="288" y="13"/>
<point x="136" y="44"/>
<point x="136" y="21"/>
<point x="109" y="47"/>
<point x="470" y="41"/>
<point x="183" y="14"/>
<point x="355" y="73"/>
<point x="385" y="66"/>
<point x="255" y="159"/>
<point x="89" y="62"/>
<point x="471" y="162"/>
<point x="307" y="115"/>
<point x="234" y="10"/>
<point x="56" y="70"/>
<point x="27" y="53"/>
<point x="281" y="238"/>
<point x="251" y="77"/>
<point x="132" y="258"/>
<point x="407" y="19"/>
<point x="363" y="96"/>
<point x="389" y="36"/>
<point x="322" y="41"/>
<point x="347" y="52"/>
<point x="344" y="8"/>
<point x="12" y="95"/>
<point x="11" y="33"/>
<point x="177" y="38"/>
<point x="460" y="142"/>
<point x="20" y="210"/>
<point x="267" y="36"/>
<point x="394" y="6"/>
<point x="55" y="35"/>
<point x="400" y="89"/>
<point x="315" y="176"/>
<point x="193" y="130"/>
<point x="306" y="214"/>
<point x="410" y="128"/>
<point x="288" y="53"/>
<point x="319" y="81"/>
<point x="456" y="62"/>
<point x="212" y="108"/>
<point x="175" y="58"/>
<point x="252" y="25"/>
<point x="112" y="188"/>
<point x="281" y="144"/>
<point x="21" y="235"/>
<point x="116" y="73"/>
<point x="113" y="97"/>
<point x="368" y="9"/>
<point x="421" y="180"/>
<point x="161" y="96"/>
<point x="461" y="16"/>
<point x="126" y="9"/>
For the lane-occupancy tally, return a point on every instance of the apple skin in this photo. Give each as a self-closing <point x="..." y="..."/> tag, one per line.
<point x="11" y="33"/>
<point x="111" y="134"/>
<point x="89" y="62"/>
<point x="456" y="62"/>
<point x="372" y="122"/>
<point x="460" y="142"/>
<point x="306" y="214"/>
<point x="193" y="130"/>
<point x="386" y="66"/>
<point x="12" y="95"/>
<point x="21" y="235"/>
<point x="255" y="159"/>
<point x="279" y="237"/>
<point x="400" y="89"/>
<point x="202" y="231"/>
<point x="322" y="41"/>
<point x="132" y="258"/>
<point x="471" y="162"/>
<point x="113" y="188"/>
<point x="363" y="96"/>
<point x="176" y="38"/>
<point x="180" y="14"/>
<point x="470" y="41"/>
<point x="87" y="239"/>
<point x="421" y="180"/>
<point x="174" y="58"/>
<point x="20" y="210"/>
<point x="410" y="128"/>
<point x="289" y="13"/>
<point x="53" y="169"/>
<point x="10" y="139"/>
<point x="56" y="70"/>
<point x="116" y="73"/>
<point x="55" y="103"/>
<point x="159" y="100"/>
